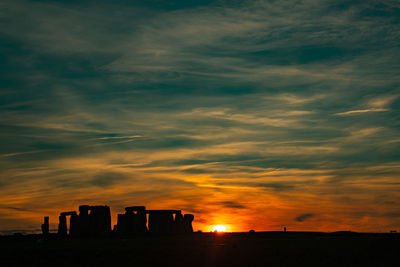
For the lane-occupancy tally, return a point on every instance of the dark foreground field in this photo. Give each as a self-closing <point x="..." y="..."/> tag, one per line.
<point x="204" y="249"/>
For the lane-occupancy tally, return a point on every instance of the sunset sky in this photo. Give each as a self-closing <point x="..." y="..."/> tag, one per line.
<point x="249" y="114"/>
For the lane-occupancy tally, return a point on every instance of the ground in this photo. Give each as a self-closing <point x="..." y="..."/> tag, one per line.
<point x="205" y="249"/>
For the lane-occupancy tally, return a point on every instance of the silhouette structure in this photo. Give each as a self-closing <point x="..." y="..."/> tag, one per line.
<point x="45" y="226"/>
<point x="91" y="221"/>
<point x="160" y="221"/>
<point x="133" y="221"/>
<point x="96" y="221"/>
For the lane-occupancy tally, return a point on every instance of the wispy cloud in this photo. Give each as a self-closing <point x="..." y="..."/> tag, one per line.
<point x="356" y="112"/>
<point x="376" y="104"/>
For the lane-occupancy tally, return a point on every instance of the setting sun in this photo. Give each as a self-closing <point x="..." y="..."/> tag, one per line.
<point x="219" y="228"/>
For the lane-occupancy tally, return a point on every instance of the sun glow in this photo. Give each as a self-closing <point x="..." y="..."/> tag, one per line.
<point x="219" y="228"/>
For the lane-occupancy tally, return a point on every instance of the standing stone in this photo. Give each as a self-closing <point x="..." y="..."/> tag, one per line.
<point x="101" y="220"/>
<point x="130" y="222"/>
<point x="141" y="221"/>
<point x="84" y="221"/>
<point x="167" y="222"/>
<point x="121" y="224"/>
<point x="161" y="221"/>
<point x="179" y="223"/>
<point x="74" y="225"/>
<point x="188" y="219"/>
<point x="45" y="226"/>
<point x="62" y="225"/>
<point x="133" y="221"/>
<point x="154" y="223"/>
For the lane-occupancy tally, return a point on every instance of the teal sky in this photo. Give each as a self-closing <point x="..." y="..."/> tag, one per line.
<point x="253" y="114"/>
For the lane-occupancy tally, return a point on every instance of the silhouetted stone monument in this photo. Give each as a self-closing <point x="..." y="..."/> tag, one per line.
<point x="85" y="221"/>
<point x="159" y="222"/>
<point x="179" y="224"/>
<point x="101" y="220"/>
<point x="133" y="221"/>
<point x="62" y="225"/>
<point x="74" y="225"/>
<point x="45" y="226"/>
<point x="95" y="223"/>
<point x="188" y="219"/>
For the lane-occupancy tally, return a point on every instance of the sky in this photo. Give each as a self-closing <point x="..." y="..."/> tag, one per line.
<point x="251" y="114"/>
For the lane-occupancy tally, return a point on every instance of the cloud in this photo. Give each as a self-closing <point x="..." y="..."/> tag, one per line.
<point x="304" y="217"/>
<point x="13" y="208"/>
<point x="376" y="104"/>
<point x="106" y="179"/>
<point x="356" y="112"/>
<point x="233" y="205"/>
<point x="392" y="214"/>
<point x="382" y="101"/>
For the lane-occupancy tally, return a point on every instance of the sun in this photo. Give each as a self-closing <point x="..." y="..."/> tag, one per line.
<point x="219" y="228"/>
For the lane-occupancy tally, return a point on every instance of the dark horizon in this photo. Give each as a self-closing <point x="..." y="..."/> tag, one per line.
<point x="204" y="249"/>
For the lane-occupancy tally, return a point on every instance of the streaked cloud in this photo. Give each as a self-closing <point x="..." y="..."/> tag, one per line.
<point x="355" y="112"/>
<point x="377" y="104"/>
